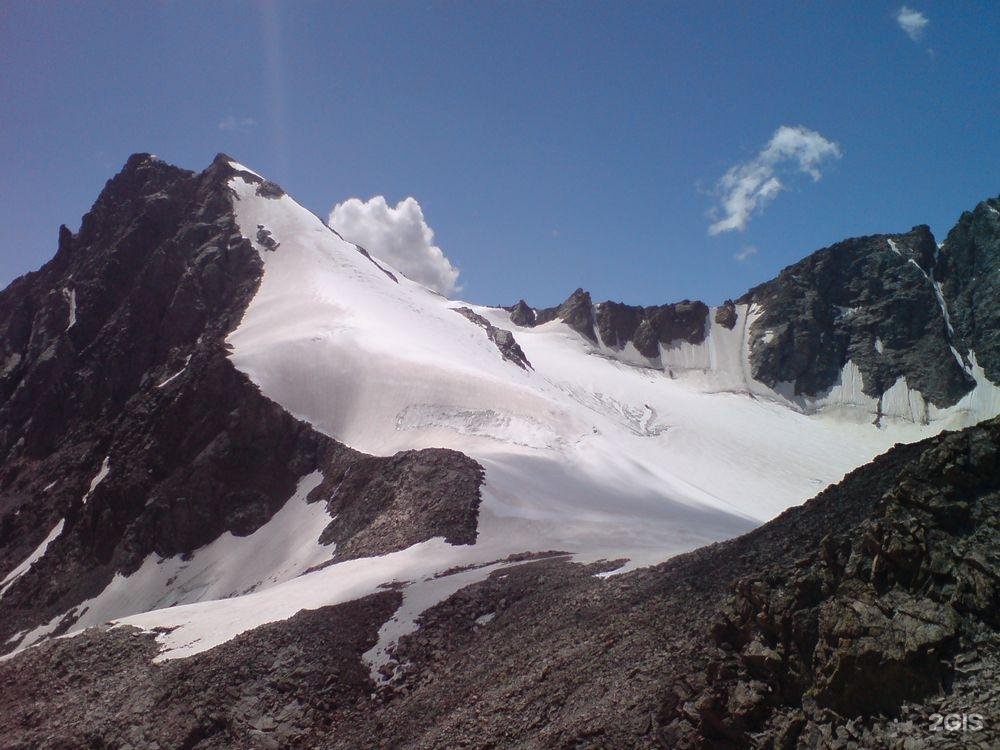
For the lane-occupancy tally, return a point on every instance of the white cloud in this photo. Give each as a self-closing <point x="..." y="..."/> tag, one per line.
<point x="913" y="22"/>
<point x="746" y="188"/>
<point x="237" y="124"/>
<point x="746" y="253"/>
<point x="400" y="236"/>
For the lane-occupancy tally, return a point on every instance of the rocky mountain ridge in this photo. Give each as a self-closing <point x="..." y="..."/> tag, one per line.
<point x="895" y="305"/>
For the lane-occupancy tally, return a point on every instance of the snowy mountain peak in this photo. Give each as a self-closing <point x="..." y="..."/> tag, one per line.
<point x="281" y="422"/>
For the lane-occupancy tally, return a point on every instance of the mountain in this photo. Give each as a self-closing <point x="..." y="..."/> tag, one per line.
<point x="260" y="451"/>
<point x="129" y="437"/>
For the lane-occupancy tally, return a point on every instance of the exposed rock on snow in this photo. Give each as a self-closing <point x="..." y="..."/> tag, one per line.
<point x="265" y="239"/>
<point x="383" y="505"/>
<point x="521" y="314"/>
<point x="725" y="314"/>
<point x="618" y="324"/>
<point x="388" y="273"/>
<point x="503" y="338"/>
<point x="577" y="312"/>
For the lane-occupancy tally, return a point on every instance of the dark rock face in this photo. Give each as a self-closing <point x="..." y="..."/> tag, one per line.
<point x="681" y="321"/>
<point x="848" y="302"/>
<point x="578" y="313"/>
<point x="894" y="305"/>
<point x="617" y="323"/>
<point x="648" y="327"/>
<point x="115" y="353"/>
<point x="646" y="340"/>
<point x="969" y="271"/>
<point x="503" y="339"/>
<point x="521" y="314"/>
<point x="265" y="239"/>
<point x="268" y="189"/>
<point x="725" y="314"/>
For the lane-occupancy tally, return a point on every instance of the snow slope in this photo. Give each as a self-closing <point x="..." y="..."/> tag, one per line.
<point x="596" y="452"/>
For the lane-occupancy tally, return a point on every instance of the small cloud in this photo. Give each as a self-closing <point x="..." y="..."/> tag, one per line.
<point x="747" y="187"/>
<point x="555" y="233"/>
<point x="746" y="253"/>
<point x="234" y="124"/>
<point x="399" y="236"/>
<point x="913" y="22"/>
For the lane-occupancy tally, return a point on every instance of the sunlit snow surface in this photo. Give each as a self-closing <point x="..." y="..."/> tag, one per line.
<point x="31" y="559"/>
<point x="70" y="295"/>
<point x="98" y="478"/>
<point x="601" y="453"/>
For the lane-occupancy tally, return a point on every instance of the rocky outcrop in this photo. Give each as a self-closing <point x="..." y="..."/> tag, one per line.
<point x="122" y="418"/>
<point x="503" y="339"/>
<point x="871" y="300"/>
<point x="681" y="321"/>
<point x="521" y="314"/>
<point x="876" y="621"/>
<point x="382" y="505"/>
<point x="577" y="312"/>
<point x="663" y="325"/>
<point x="619" y="324"/>
<point x="265" y="239"/>
<point x="725" y="314"/>
<point x="268" y="189"/>
<point x="968" y="269"/>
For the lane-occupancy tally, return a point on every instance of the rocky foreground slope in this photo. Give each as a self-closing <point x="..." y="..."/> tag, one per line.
<point x="848" y="622"/>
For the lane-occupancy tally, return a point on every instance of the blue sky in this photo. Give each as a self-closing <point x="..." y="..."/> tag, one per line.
<point x="549" y="145"/>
